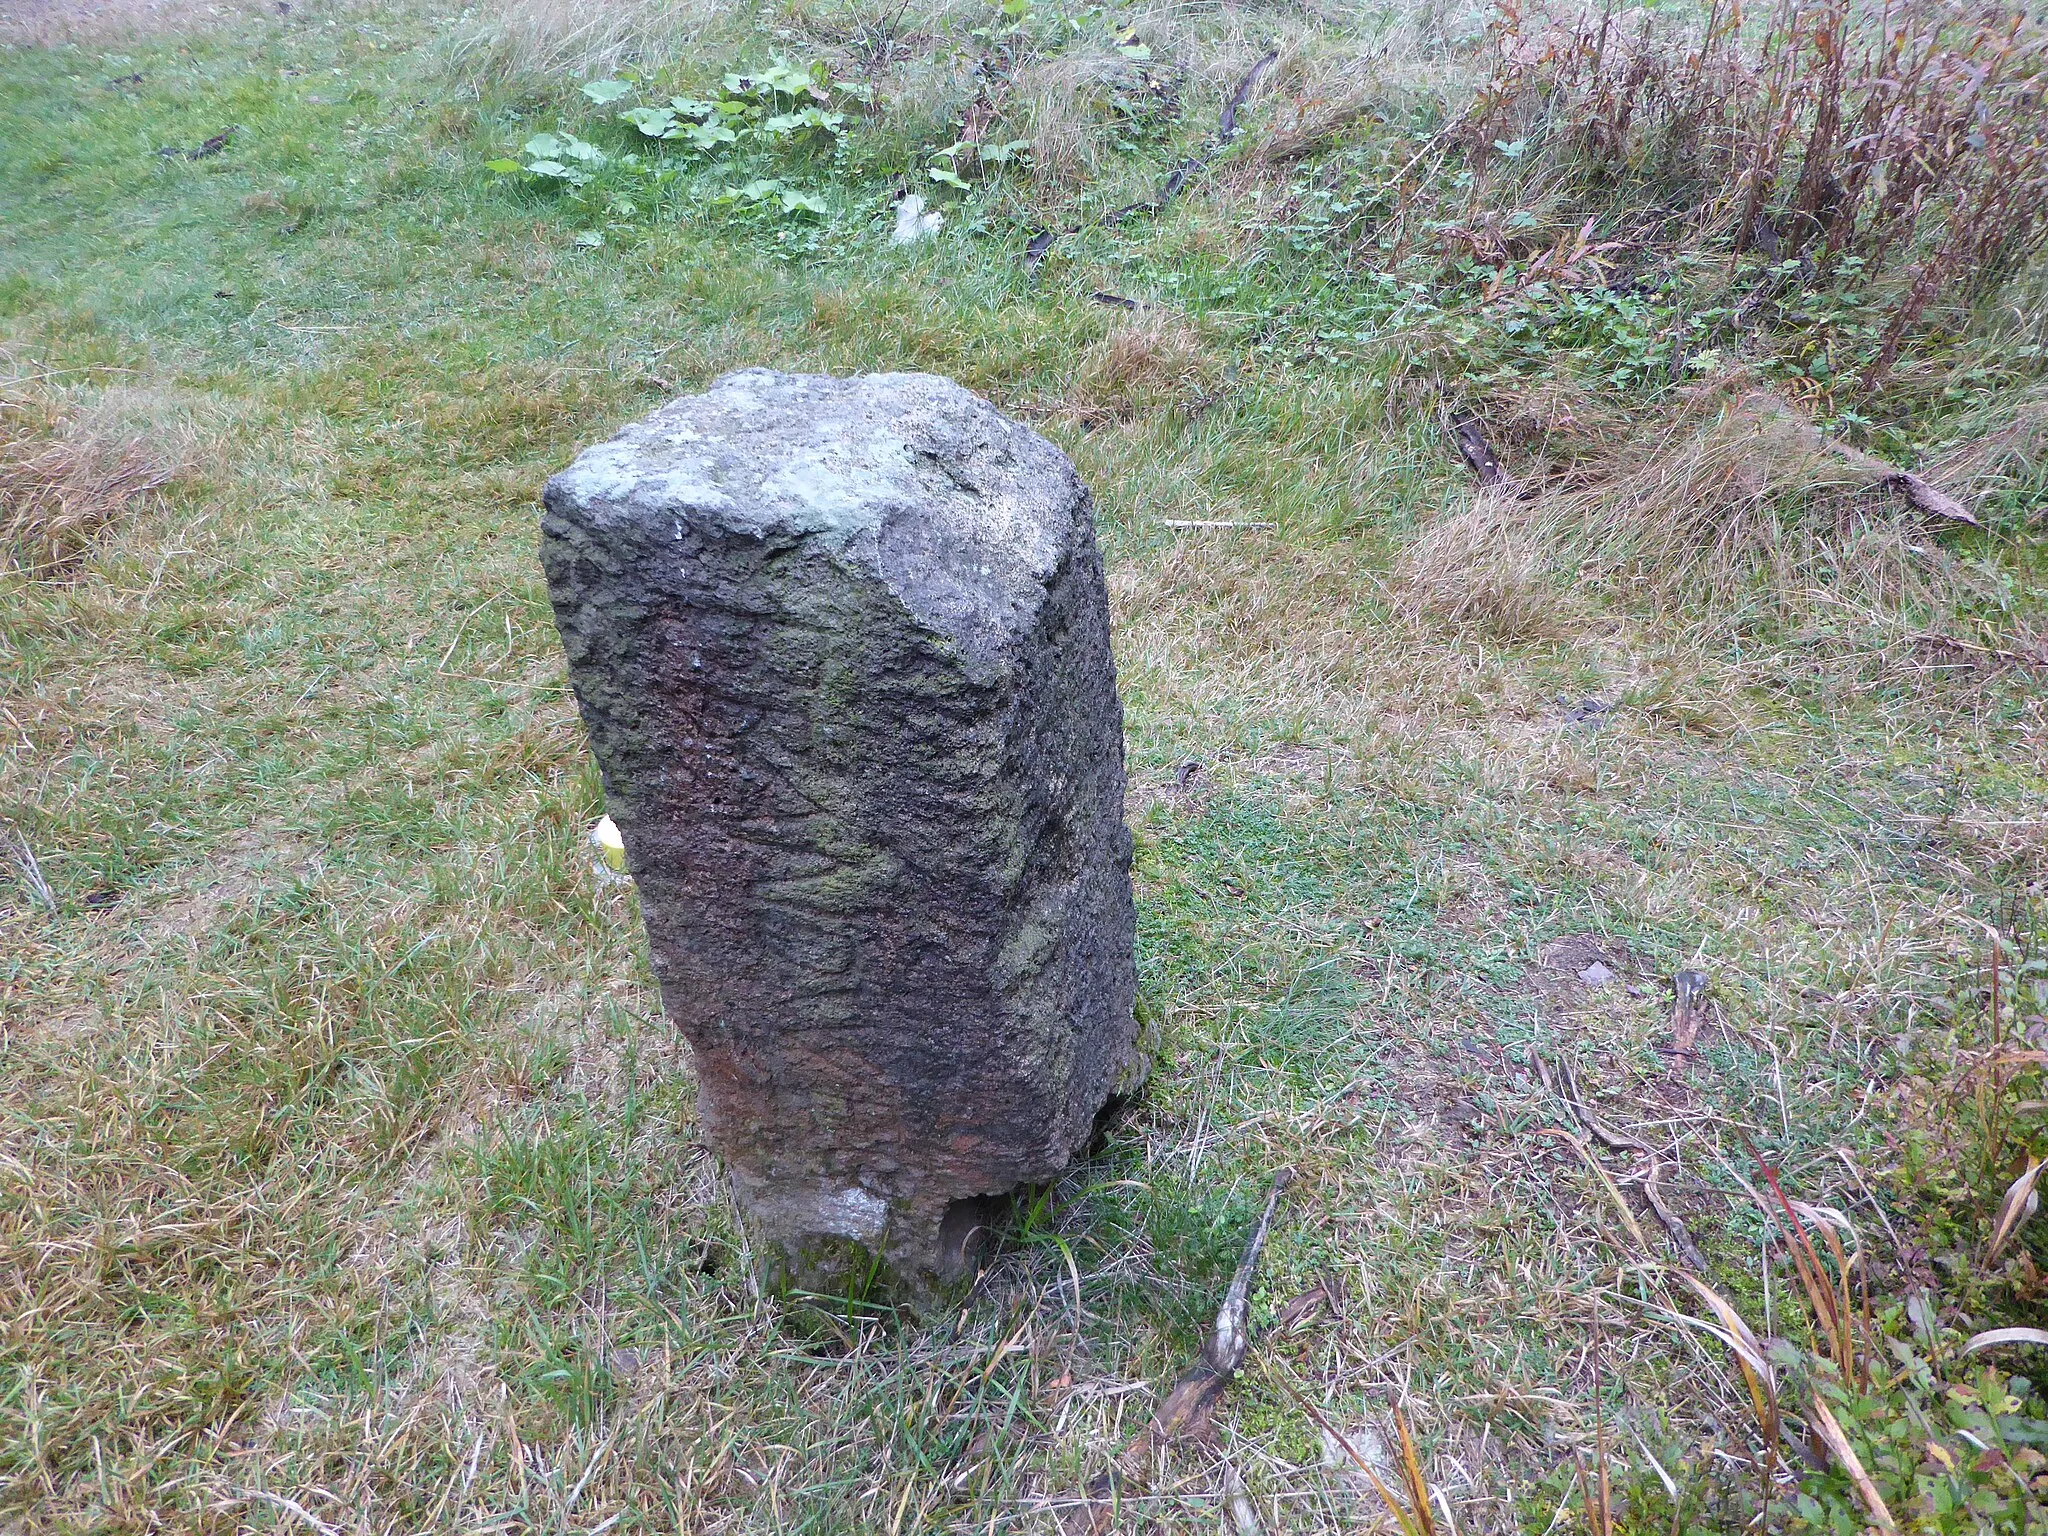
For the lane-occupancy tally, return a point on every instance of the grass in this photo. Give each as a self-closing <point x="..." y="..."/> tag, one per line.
<point x="348" y="1177"/>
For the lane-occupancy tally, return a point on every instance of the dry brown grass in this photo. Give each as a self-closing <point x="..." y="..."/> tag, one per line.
<point x="1487" y="564"/>
<point x="74" y="464"/>
<point x="1056" y="103"/>
<point x="518" y="38"/>
<point x="1319" y="97"/>
<point x="1151" y="362"/>
<point x="1733" y="500"/>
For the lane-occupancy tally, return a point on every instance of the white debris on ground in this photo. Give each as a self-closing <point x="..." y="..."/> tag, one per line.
<point x="913" y="223"/>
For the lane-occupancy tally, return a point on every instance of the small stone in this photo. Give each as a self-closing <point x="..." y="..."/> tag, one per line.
<point x="1596" y="975"/>
<point x="842" y="649"/>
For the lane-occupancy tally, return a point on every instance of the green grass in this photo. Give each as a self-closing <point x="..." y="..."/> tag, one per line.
<point x="348" y="1175"/>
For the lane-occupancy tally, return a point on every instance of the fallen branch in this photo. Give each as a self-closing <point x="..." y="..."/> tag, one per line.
<point x="207" y="150"/>
<point x="1923" y="495"/>
<point x="1929" y="499"/>
<point x="1226" y="130"/>
<point x="1991" y="654"/>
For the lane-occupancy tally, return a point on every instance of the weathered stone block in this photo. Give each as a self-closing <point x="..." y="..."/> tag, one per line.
<point x="842" y="648"/>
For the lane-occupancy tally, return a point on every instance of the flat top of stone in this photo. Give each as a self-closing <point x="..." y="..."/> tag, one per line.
<point x="964" y="513"/>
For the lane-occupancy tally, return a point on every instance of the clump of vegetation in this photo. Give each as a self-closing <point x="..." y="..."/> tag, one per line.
<point x="1728" y="497"/>
<point x="1892" y="159"/>
<point x="72" y="467"/>
<point x="1886" y="1401"/>
<point x="1668" y="266"/>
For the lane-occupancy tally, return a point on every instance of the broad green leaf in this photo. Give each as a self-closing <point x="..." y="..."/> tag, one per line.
<point x="950" y="178"/>
<point x="590" y="237"/>
<point x="794" y="201"/>
<point x="544" y="146"/>
<point x="784" y="123"/>
<point x="655" y="122"/>
<point x="575" y="149"/>
<point x="707" y="136"/>
<point x="504" y="167"/>
<point x="553" y="168"/>
<point x="605" y="92"/>
<point x="690" y="106"/>
<point x="1136" y="52"/>
<point x="779" y="77"/>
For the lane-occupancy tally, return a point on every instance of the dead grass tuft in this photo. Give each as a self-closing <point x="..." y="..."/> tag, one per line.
<point x="1487" y="564"/>
<point x="520" y="38"/>
<point x="1734" y="499"/>
<point x="1319" y="100"/>
<point x="1057" y="104"/>
<point x="73" y="465"/>
<point x="1147" y="364"/>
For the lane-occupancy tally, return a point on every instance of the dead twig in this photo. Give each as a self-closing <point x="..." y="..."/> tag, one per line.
<point x="1193" y="1397"/>
<point x="1040" y="244"/>
<point x="1186" y="1408"/>
<point x="1226" y="130"/>
<point x="1565" y="1087"/>
<point x="1690" y="989"/>
<point x="31" y="871"/>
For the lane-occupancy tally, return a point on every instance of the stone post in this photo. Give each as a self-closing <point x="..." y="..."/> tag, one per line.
<point x="842" y="649"/>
